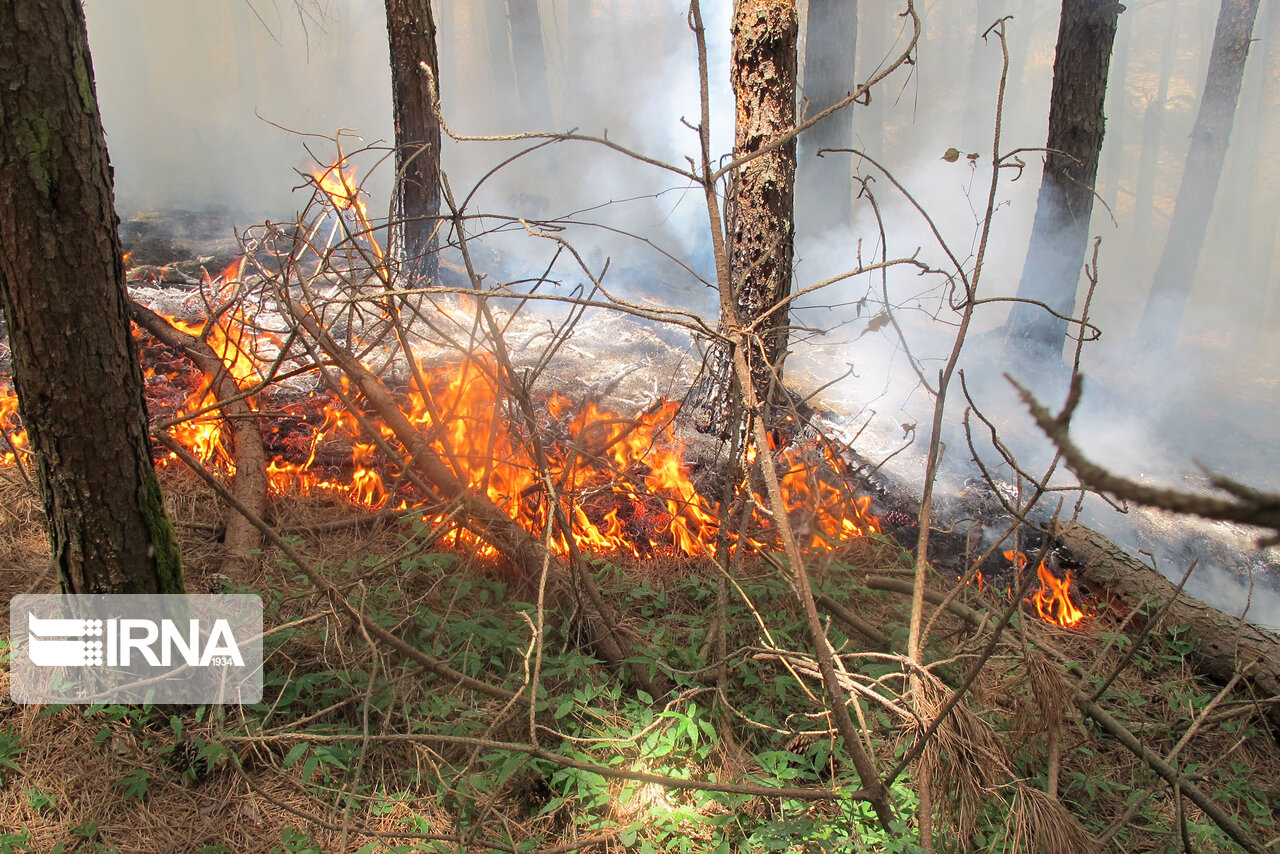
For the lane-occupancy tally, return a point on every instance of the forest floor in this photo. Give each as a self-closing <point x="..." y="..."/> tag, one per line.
<point x="355" y="749"/>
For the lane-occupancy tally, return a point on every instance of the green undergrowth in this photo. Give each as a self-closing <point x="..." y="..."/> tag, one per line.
<point x="354" y="746"/>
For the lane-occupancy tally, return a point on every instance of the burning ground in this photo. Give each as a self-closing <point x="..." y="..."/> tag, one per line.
<point x="373" y="735"/>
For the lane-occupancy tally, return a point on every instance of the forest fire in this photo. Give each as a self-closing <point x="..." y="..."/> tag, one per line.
<point x="623" y="480"/>
<point x="1052" y="599"/>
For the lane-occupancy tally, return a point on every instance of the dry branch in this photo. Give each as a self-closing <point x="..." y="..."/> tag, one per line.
<point x="242" y="539"/>
<point x="1246" y="506"/>
<point x="498" y="529"/>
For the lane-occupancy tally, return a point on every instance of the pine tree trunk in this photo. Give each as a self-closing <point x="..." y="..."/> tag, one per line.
<point x="1176" y="271"/>
<point x="411" y="33"/>
<point x="759" y="209"/>
<point x="80" y="389"/>
<point x="826" y="185"/>
<point x="1149" y="161"/>
<point x="530" y="64"/>
<point x="1060" y="232"/>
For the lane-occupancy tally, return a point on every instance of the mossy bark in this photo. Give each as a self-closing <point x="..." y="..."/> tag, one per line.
<point x="80" y="389"/>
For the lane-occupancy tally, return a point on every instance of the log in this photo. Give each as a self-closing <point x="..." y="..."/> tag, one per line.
<point x="242" y="539"/>
<point x="1225" y="644"/>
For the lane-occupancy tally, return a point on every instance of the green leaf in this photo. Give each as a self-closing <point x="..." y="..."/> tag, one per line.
<point x="294" y="754"/>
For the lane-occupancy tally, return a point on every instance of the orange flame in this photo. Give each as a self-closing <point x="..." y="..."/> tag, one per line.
<point x="1053" y="599"/>
<point x="621" y="481"/>
<point x="338" y="181"/>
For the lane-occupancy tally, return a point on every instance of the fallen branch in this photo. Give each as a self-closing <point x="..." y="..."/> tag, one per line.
<point x="609" y="771"/>
<point x="1115" y="729"/>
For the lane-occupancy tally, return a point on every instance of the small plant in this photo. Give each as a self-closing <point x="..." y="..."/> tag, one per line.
<point x="133" y="786"/>
<point x="40" y="800"/>
<point x="295" y="842"/>
<point x="9" y="751"/>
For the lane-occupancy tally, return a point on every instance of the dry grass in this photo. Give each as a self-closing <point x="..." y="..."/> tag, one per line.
<point x="989" y="756"/>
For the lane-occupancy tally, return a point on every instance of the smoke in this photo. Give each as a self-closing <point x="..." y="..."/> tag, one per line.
<point x="189" y="91"/>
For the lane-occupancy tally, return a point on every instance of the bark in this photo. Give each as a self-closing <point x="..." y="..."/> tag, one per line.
<point x="1176" y="271"/>
<point x="530" y="63"/>
<point x="759" y="210"/>
<point x="415" y="76"/>
<point x="826" y="186"/>
<point x="1225" y="644"/>
<point x="242" y="540"/>
<point x="1060" y="232"/>
<point x="80" y="390"/>
<point x="1149" y="160"/>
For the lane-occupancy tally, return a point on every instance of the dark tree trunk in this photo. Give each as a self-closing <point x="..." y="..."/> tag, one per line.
<point x="530" y="64"/>
<point x="758" y="216"/>
<point x="411" y="32"/>
<point x="760" y="221"/>
<point x="1149" y="161"/>
<point x="826" y="185"/>
<point x="1060" y="232"/>
<point x="1209" y="137"/>
<point x="80" y="389"/>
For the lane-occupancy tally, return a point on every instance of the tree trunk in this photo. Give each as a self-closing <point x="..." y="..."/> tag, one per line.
<point x="80" y="389"/>
<point x="826" y="185"/>
<point x="759" y="208"/>
<point x="1060" y="232"/>
<point x="530" y="64"/>
<point x="411" y="32"/>
<point x="1149" y="161"/>
<point x="1176" y="271"/>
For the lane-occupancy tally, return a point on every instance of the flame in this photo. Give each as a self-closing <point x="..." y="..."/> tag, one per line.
<point x="338" y="182"/>
<point x="1053" y="599"/>
<point x="10" y="425"/>
<point x="621" y="481"/>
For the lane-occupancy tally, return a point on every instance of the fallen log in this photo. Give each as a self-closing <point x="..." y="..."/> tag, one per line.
<point x="242" y="539"/>
<point x="1224" y="645"/>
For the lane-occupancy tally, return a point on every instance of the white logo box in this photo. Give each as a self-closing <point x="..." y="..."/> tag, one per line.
<point x="146" y="648"/>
